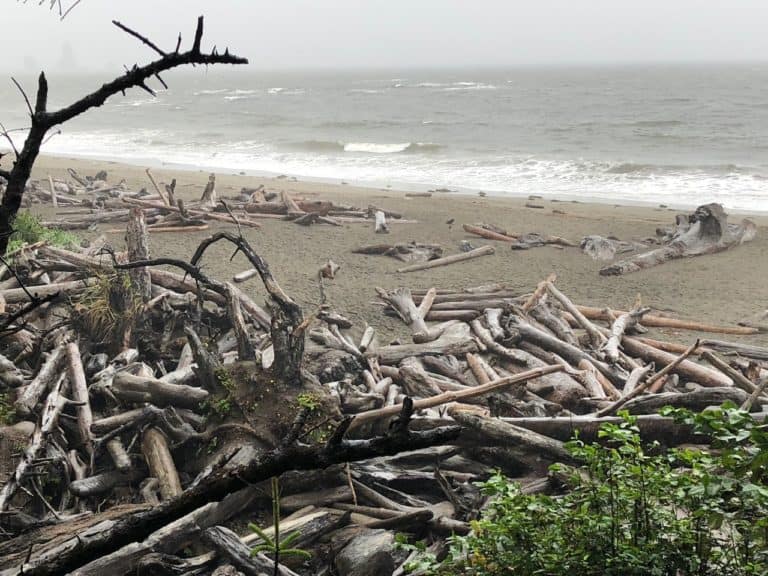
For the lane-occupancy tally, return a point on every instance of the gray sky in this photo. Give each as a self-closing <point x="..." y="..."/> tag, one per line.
<point x="392" y="33"/>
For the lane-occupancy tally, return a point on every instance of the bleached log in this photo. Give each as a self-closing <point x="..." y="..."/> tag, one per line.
<point x="456" y="339"/>
<point x="160" y="462"/>
<point x="476" y="253"/>
<point x="33" y="392"/>
<point x="402" y="302"/>
<point x="79" y="391"/>
<point x="17" y="295"/>
<point x="708" y="232"/>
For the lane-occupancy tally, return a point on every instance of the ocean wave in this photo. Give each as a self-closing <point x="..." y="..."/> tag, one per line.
<point x="326" y="146"/>
<point x="630" y="168"/>
<point x="210" y="92"/>
<point x="656" y="123"/>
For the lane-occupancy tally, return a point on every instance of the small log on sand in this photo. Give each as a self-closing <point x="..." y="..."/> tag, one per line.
<point x="476" y="253"/>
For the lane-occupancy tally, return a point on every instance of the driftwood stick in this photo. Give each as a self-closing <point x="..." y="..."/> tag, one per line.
<point x="446" y="397"/>
<point x="229" y="545"/>
<point x="476" y="253"/>
<point x="157" y="188"/>
<point x="639" y="389"/>
<point x="138" y="389"/>
<point x="380" y="226"/>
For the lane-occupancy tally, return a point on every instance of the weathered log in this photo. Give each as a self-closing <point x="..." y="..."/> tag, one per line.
<point x="103" y="483"/>
<point x="79" y="390"/>
<point x="738" y="378"/>
<point x="618" y="327"/>
<point x="402" y="302"/>
<point x="137" y="389"/>
<point x="456" y="339"/>
<point x="488" y="234"/>
<point x="687" y="369"/>
<point x="17" y="295"/>
<point x="137" y="240"/>
<point x="476" y="253"/>
<point x="596" y="337"/>
<point x="514" y="436"/>
<point x="160" y="462"/>
<point x="696" y="400"/>
<point x="47" y="375"/>
<point x="709" y="232"/>
<point x="748" y="350"/>
<point x="411" y="252"/>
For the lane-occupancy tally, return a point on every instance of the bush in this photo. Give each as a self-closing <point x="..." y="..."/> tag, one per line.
<point x="630" y="510"/>
<point x="28" y="229"/>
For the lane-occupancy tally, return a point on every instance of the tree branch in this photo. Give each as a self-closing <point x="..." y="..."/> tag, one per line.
<point x="24" y="94"/>
<point x="142" y="38"/>
<point x="137" y="76"/>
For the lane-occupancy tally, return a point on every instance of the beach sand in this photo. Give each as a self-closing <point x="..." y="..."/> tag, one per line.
<point x="718" y="288"/>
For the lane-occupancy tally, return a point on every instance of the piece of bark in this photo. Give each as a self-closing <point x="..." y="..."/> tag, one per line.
<point x="476" y="253"/>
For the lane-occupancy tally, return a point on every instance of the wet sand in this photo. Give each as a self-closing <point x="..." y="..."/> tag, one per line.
<point x="718" y="288"/>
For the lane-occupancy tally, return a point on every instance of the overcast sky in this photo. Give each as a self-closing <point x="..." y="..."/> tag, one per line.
<point x="392" y="33"/>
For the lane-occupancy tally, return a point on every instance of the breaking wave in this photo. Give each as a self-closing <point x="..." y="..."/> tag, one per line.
<point x="325" y="146"/>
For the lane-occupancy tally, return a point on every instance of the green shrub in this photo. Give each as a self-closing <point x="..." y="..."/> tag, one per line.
<point x="629" y="510"/>
<point x="28" y="229"/>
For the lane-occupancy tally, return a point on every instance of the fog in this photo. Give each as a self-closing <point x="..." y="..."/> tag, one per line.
<point x="390" y="33"/>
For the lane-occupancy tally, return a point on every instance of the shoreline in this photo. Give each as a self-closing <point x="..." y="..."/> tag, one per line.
<point x="384" y="186"/>
<point x="720" y="288"/>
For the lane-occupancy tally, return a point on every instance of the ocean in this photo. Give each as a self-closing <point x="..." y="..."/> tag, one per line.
<point x="674" y="135"/>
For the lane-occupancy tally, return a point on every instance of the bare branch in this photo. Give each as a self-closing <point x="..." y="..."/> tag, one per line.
<point x="5" y="134"/>
<point x="71" y="7"/>
<point x="5" y="174"/>
<point x="142" y="38"/>
<point x="136" y="77"/>
<point x="24" y="94"/>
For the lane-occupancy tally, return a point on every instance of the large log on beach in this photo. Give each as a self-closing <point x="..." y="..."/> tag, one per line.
<point x="476" y="253"/>
<point x="706" y="231"/>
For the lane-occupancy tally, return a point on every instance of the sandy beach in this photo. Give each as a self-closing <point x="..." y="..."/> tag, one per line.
<point x="719" y="288"/>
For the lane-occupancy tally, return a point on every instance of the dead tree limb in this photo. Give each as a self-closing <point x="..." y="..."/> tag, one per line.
<point x="287" y="325"/>
<point x="42" y="120"/>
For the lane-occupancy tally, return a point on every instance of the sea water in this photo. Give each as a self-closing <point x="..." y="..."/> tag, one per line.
<point x="677" y="135"/>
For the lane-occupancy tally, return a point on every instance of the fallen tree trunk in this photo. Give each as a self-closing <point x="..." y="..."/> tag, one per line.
<point x="476" y="253"/>
<point x="708" y="232"/>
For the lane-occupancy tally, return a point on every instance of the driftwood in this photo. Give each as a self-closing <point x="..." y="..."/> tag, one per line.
<point x="411" y="252"/>
<point x="706" y="231"/>
<point x="476" y="253"/>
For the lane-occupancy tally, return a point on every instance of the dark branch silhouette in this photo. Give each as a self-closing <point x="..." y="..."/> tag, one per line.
<point x="43" y="121"/>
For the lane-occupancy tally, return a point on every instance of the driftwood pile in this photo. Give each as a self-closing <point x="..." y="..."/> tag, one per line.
<point x="90" y="202"/>
<point x="152" y="407"/>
